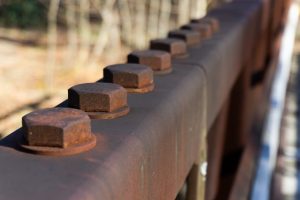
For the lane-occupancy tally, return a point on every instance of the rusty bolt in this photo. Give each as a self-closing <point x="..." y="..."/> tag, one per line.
<point x="205" y="30"/>
<point x="133" y="77"/>
<point x="58" y="128"/>
<point x="175" y="47"/>
<point x="97" y="97"/>
<point x="213" y="22"/>
<point x="189" y="36"/>
<point x="159" y="61"/>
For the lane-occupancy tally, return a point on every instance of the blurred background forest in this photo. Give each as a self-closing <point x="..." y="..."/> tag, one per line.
<point x="46" y="46"/>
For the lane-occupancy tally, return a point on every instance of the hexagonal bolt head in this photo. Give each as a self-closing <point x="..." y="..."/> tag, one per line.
<point x="157" y="60"/>
<point x="213" y="22"/>
<point x="174" y="46"/>
<point x="97" y="97"/>
<point x="189" y="36"/>
<point x="205" y="30"/>
<point x="129" y="75"/>
<point x="56" y="127"/>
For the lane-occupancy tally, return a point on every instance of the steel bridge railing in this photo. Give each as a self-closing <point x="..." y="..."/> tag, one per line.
<point x="191" y="133"/>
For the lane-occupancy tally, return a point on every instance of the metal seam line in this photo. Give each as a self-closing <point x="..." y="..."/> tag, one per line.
<point x="270" y="140"/>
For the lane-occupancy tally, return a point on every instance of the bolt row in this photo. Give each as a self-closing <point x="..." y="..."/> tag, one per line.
<point x="65" y="131"/>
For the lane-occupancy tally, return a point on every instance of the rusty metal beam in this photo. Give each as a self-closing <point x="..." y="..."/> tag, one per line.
<point x="222" y="67"/>
<point x="144" y="155"/>
<point x="148" y="153"/>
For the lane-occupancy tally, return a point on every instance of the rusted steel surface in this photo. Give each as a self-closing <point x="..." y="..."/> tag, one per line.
<point x="243" y="179"/>
<point x="97" y="97"/>
<point x="134" y="77"/>
<point x="260" y="107"/>
<point x="146" y="154"/>
<point x="216" y="136"/>
<point x="262" y="37"/>
<point x="239" y="118"/>
<point x="204" y="29"/>
<point x="214" y="23"/>
<point x="236" y="136"/>
<point x="241" y="186"/>
<point x="159" y="61"/>
<point x="189" y="36"/>
<point x="57" y="131"/>
<point x="222" y="66"/>
<point x="99" y="100"/>
<point x="175" y="47"/>
<point x="150" y="152"/>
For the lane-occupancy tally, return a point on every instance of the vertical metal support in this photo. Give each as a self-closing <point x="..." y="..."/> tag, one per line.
<point x="237" y="132"/>
<point x="195" y="183"/>
<point x="198" y="176"/>
<point x="196" y="180"/>
<point x="215" y="138"/>
<point x="238" y="119"/>
<point x="260" y="49"/>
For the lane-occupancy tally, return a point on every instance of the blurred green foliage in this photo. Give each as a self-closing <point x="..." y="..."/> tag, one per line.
<point x="23" y="14"/>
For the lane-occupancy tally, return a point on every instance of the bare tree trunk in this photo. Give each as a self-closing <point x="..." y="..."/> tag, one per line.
<point x="193" y="8"/>
<point x="114" y="46"/>
<point x="164" y="17"/>
<point x="140" y="23"/>
<point x="126" y="21"/>
<point x="52" y="39"/>
<point x="183" y="14"/>
<point x="85" y="31"/>
<point x="102" y="38"/>
<point x="72" y="32"/>
<point x="198" y="8"/>
<point x="153" y="18"/>
<point x="201" y="8"/>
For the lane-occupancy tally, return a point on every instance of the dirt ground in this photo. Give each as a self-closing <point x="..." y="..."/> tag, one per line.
<point x="23" y="75"/>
